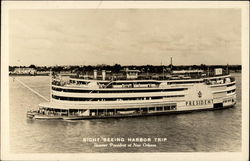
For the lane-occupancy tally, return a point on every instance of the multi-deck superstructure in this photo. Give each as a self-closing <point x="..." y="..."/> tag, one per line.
<point x="182" y="91"/>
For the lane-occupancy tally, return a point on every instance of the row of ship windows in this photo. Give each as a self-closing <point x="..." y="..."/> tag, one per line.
<point x="231" y="91"/>
<point x="113" y="83"/>
<point x="228" y="100"/>
<point x="137" y="83"/>
<point x="188" y="82"/>
<point x="164" y="108"/>
<point x="142" y="83"/>
<point x="115" y="91"/>
<point x="136" y="110"/>
<point x="110" y="99"/>
<point x="110" y="112"/>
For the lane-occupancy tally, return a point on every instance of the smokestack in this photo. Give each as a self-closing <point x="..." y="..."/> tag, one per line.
<point x="171" y="61"/>
<point x="95" y="74"/>
<point x="103" y="74"/>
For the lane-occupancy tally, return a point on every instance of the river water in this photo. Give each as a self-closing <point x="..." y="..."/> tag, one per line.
<point x="208" y="131"/>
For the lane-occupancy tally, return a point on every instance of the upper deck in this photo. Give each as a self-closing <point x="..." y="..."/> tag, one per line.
<point x="141" y="80"/>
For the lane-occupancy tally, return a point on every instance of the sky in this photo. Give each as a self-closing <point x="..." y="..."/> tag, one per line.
<point x="124" y="36"/>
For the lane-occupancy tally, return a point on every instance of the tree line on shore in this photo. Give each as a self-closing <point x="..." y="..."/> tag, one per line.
<point x="117" y="68"/>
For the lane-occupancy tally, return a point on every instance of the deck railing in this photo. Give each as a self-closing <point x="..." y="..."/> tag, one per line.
<point x="152" y="76"/>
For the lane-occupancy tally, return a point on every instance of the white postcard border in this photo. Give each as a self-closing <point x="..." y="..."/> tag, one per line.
<point x="7" y="5"/>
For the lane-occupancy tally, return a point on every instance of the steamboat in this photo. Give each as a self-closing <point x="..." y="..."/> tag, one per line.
<point x="130" y="95"/>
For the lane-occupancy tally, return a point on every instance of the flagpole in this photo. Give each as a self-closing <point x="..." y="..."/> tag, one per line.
<point x="50" y="85"/>
<point x="163" y="72"/>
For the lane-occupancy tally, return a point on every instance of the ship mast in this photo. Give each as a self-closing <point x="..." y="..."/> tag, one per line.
<point x="50" y="74"/>
<point x="162" y="70"/>
<point x="171" y="63"/>
<point x="227" y="69"/>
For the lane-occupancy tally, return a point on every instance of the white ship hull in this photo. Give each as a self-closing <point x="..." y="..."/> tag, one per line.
<point x="137" y="98"/>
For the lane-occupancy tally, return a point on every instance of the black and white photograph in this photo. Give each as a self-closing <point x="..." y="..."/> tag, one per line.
<point x="145" y="80"/>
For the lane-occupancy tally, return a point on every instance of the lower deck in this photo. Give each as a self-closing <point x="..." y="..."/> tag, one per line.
<point x="74" y="114"/>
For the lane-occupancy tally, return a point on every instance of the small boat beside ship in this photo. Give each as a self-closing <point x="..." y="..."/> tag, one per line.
<point x="77" y="98"/>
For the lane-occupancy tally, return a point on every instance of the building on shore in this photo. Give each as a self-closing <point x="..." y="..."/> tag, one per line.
<point x="24" y="71"/>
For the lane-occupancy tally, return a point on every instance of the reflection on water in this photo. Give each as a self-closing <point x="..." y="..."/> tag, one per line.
<point x="199" y="131"/>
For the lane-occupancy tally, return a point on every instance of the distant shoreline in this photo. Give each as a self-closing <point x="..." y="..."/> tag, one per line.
<point x="28" y="75"/>
<point x="20" y="75"/>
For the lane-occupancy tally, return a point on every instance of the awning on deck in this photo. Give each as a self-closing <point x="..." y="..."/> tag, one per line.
<point x="55" y="105"/>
